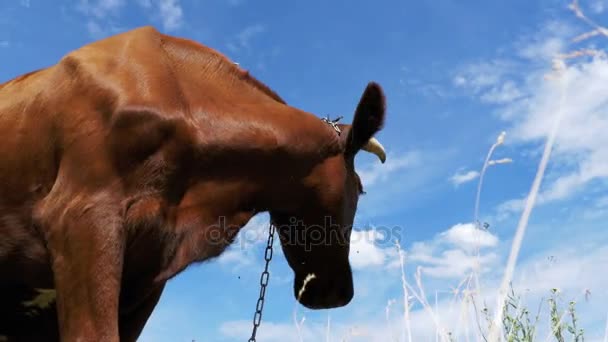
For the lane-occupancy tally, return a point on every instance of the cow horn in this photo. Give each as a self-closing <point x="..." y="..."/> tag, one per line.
<point x="375" y="147"/>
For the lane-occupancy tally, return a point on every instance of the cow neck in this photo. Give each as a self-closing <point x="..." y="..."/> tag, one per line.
<point x="235" y="182"/>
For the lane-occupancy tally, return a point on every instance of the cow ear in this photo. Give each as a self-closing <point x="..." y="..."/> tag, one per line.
<point x="368" y="119"/>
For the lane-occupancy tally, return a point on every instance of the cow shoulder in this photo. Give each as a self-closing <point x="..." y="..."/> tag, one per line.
<point x="136" y="134"/>
<point x="122" y="94"/>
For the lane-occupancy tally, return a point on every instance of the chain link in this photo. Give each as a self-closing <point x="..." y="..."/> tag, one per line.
<point x="333" y="123"/>
<point x="257" y="317"/>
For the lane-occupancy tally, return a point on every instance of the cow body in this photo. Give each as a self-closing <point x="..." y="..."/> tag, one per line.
<point x="127" y="161"/>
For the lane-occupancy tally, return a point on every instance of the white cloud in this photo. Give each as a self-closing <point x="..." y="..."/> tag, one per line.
<point x="366" y="252"/>
<point x="100" y="8"/>
<point x="101" y="15"/>
<point x="268" y="331"/>
<point x="579" y="163"/>
<point x="361" y="330"/>
<point x="242" y="40"/>
<point x="577" y="269"/>
<point x="468" y="237"/>
<point x="460" y="81"/>
<point x="453" y="253"/>
<point x="376" y="173"/>
<point x="366" y="249"/>
<point x="574" y="271"/>
<point x="478" y="76"/>
<point x="463" y="177"/>
<point x="415" y="81"/>
<point x="451" y="263"/>
<point x="171" y="13"/>
<point x="581" y="141"/>
<point x="504" y="93"/>
<point x="94" y="29"/>
<point x="508" y="207"/>
<point x="314" y="331"/>
<point x="543" y="45"/>
<point x="243" y="251"/>
<point x="597" y="209"/>
<point x="598" y="6"/>
<point x="489" y="81"/>
<point x="25" y="3"/>
<point x="4" y="43"/>
<point x="528" y="102"/>
<point x="99" y="29"/>
<point x="403" y="174"/>
<point x="234" y="256"/>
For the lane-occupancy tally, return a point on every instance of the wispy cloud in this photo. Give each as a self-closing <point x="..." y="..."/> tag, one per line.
<point x="369" y="248"/>
<point x="243" y="39"/>
<point x="581" y="143"/>
<point x="271" y="331"/>
<point x="100" y="8"/>
<point x="95" y="29"/>
<point x="407" y="177"/>
<point x="450" y="254"/>
<point x="542" y="46"/>
<point x="104" y="16"/>
<point x="370" y="331"/>
<point x="576" y="272"/>
<point x="598" y="6"/>
<point x="597" y="209"/>
<point x="171" y="13"/>
<point x="528" y="102"/>
<point x="489" y="81"/>
<point x="366" y="249"/>
<point x="4" y="43"/>
<point x="503" y="93"/>
<point x="423" y="84"/>
<point x="376" y="173"/>
<point x="101" y="16"/>
<point x="462" y="177"/>
<point x="242" y="251"/>
<point x="467" y="237"/>
<point x="479" y="76"/>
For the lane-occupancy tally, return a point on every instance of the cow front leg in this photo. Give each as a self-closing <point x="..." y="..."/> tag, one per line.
<point x="86" y="245"/>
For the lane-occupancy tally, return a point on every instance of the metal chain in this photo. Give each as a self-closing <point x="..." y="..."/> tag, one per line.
<point x="333" y="123"/>
<point x="257" y="317"/>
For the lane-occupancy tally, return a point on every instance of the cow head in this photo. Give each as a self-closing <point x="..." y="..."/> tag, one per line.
<point x="315" y="234"/>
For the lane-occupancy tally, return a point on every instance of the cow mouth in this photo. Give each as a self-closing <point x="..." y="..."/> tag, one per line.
<point x="323" y="292"/>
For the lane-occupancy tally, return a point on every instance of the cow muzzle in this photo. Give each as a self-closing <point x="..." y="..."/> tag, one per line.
<point x="324" y="291"/>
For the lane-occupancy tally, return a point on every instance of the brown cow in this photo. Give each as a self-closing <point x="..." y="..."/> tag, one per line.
<point x="140" y="154"/>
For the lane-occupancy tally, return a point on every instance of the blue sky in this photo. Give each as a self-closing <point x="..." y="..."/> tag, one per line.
<point x="456" y="74"/>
